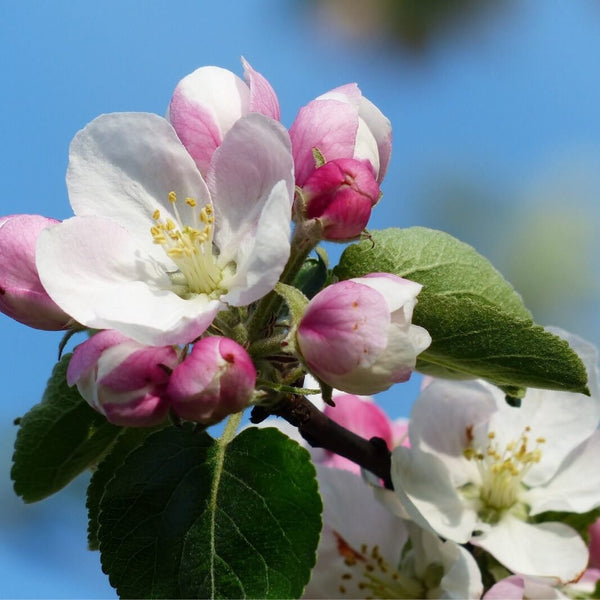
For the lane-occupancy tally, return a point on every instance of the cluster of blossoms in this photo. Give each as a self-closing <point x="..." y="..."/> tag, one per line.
<point x="477" y="473"/>
<point x="182" y="224"/>
<point x="181" y="262"/>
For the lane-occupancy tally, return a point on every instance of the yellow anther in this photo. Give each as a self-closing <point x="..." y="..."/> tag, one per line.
<point x="172" y="197"/>
<point x="190" y="202"/>
<point x="156" y="215"/>
<point x="170" y="226"/>
<point x="491" y="435"/>
<point x="541" y="440"/>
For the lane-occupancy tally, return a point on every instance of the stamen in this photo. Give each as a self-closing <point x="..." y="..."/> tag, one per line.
<point x="189" y="246"/>
<point x="502" y="471"/>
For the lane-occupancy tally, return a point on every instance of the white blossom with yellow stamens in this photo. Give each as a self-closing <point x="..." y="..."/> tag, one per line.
<point x="483" y="472"/>
<point x="154" y="250"/>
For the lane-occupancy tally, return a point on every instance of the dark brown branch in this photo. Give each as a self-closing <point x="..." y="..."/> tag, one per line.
<point x="321" y="432"/>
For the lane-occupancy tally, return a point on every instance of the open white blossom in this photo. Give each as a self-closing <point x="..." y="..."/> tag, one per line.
<point x="480" y="471"/>
<point x="360" y="554"/>
<point x="154" y="251"/>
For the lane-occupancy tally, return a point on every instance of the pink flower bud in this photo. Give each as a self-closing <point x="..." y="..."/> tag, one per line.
<point x="216" y="379"/>
<point x="341" y="124"/>
<point x="22" y="296"/>
<point x="207" y="102"/>
<point x="341" y="195"/>
<point x="122" y="379"/>
<point x="357" y="335"/>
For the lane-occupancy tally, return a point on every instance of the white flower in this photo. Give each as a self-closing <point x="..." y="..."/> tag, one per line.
<point x="479" y="470"/>
<point x="360" y="552"/>
<point x="155" y="252"/>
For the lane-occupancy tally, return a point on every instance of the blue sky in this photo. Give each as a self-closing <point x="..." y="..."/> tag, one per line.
<point x="508" y="106"/>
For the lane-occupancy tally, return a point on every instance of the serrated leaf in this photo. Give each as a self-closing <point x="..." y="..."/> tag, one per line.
<point x="186" y="516"/>
<point x="478" y="323"/>
<point x="58" y="439"/>
<point x="127" y="441"/>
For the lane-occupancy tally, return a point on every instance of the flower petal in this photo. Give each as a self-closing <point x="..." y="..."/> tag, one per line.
<point x="251" y="177"/>
<point x="95" y="271"/>
<point x="204" y="106"/>
<point x="541" y="550"/>
<point x="330" y="126"/>
<point x="422" y="483"/>
<point x="351" y="521"/>
<point x="262" y="96"/>
<point x="123" y="166"/>
<point x="443" y="419"/>
<point x="576" y="485"/>
<point x="381" y="129"/>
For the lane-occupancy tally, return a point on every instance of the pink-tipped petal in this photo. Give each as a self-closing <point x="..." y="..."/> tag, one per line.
<point x="262" y="96"/>
<point x="328" y="125"/>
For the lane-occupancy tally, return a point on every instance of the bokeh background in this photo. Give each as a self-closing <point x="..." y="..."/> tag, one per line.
<point x="495" y="109"/>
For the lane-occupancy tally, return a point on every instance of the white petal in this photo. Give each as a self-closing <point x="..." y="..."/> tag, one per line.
<point x="123" y="166"/>
<point x="576" y="485"/>
<point x="443" y="420"/>
<point x="422" y="484"/>
<point x="543" y="550"/>
<point x="253" y="158"/>
<point x="262" y="253"/>
<point x="93" y="268"/>
<point x="351" y="509"/>
<point x="565" y="419"/>
<point x="351" y="516"/>
<point x="461" y="579"/>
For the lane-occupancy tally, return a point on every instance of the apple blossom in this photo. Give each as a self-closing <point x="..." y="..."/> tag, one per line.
<point x="357" y="336"/>
<point x="361" y="550"/>
<point x="154" y="251"/>
<point x="122" y="379"/>
<point x="207" y="102"/>
<point x="480" y="471"/>
<point x="340" y="124"/>
<point x="216" y="379"/>
<point x="341" y="194"/>
<point x="22" y="295"/>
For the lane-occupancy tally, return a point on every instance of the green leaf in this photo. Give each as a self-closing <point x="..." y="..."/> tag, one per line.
<point x="128" y="440"/>
<point x="58" y="439"/>
<point x="478" y="323"/>
<point x="186" y="516"/>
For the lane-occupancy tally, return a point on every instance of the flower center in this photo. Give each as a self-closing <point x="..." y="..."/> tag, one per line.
<point x="502" y="470"/>
<point x="190" y="247"/>
<point x="369" y="575"/>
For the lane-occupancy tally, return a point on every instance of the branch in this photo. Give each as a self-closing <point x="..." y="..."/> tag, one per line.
<point x="321" y="432"/>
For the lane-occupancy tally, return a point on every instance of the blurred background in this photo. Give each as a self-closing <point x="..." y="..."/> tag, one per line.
<point x="495" y="110"/>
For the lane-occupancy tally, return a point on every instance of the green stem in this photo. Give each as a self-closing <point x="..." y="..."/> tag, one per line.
<point x="230" y="428"/>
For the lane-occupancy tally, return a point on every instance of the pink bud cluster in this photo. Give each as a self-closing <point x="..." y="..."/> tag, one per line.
<point x="135" y="385"/>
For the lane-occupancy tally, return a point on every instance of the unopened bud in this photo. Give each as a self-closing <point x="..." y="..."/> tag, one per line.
<point x="22" y="295"/>
<point x="122" y="379"/>
<point x="215" y="380"/>
<point x="357" y="335"/>
<point x="341" y="194"/>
